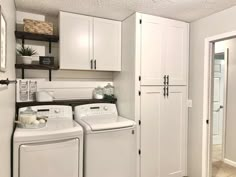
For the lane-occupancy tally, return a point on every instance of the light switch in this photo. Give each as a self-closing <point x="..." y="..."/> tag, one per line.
<point x="190" y="103"/>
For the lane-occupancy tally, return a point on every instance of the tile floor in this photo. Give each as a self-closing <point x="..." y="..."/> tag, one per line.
<point x="219" y="168"/>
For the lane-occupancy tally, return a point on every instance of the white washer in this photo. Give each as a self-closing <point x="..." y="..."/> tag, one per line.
<point x="53" y="151"/>
<point x="110" y="141"/>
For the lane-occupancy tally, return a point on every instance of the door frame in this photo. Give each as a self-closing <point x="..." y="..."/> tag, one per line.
<point x="225" y="53"/>
<point x="207" y="97"/>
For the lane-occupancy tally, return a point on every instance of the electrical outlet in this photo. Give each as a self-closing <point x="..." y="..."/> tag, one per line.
<point x="190" y="103"/>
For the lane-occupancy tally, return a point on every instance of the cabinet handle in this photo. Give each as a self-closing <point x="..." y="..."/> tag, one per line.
<point x="164" y="80"/>
<point x="167" y="91"/>
<point x="95" y="64"/>
<point x="164" y="89"/>
<point x="167" y="80"/>
<point x="91" y="64"/>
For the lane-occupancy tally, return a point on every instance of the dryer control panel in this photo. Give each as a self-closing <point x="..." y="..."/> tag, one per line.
<point x="51" y="111"/>
<point x="97" y="109"/>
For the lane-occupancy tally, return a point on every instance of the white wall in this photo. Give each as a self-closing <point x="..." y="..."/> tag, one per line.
<point x="42" y="50"/>
<point x="7" y="95"/>
<point x="199" y="30"/>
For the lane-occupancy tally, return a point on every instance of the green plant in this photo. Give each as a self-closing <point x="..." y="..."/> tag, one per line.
<point x="26" y="51"/>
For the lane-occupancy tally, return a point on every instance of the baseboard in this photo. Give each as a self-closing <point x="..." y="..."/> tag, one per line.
<point x="230" y="162"/>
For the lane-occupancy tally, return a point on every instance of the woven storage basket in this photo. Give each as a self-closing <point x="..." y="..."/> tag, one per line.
<point x="34" y="26"/>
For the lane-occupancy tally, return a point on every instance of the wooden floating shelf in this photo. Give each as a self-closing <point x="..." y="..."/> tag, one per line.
<point x="35" y="67"/>
<point x="65" y="102"/>
<point x="36" y="37"/>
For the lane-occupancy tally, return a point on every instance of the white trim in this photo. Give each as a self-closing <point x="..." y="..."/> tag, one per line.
<point x="226" y="54"/>
<point x="230" y="162"/>
<point x="206" y="96"/>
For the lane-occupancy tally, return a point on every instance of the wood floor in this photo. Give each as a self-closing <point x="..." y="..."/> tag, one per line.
<point x="219" y="168"/>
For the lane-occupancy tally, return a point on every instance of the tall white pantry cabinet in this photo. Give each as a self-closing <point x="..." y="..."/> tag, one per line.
<point x="152" y="88"/>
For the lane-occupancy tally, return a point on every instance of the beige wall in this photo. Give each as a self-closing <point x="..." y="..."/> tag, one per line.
<point x="199" y="30"/>
<point x="7" y="95"/>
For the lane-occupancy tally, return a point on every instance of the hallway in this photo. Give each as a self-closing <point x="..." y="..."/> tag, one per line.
<point x="219" y="168"/>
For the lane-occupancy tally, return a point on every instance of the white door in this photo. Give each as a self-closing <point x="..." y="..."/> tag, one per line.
<point x="173" y="133"/>
<point x="163" y="132"/>
<point x="152" y="50"/>
<point x="107" y="44"/>
<point x="218" y="103"/>
<point x="151" y="113"/>
<point x="176" y="52"/>
<point x="51" y="159"/>
<point x="75" y="41"/>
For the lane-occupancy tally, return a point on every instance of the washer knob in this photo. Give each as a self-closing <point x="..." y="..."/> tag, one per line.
<point x="57" y="111"/>
<point x="105" y="108"/>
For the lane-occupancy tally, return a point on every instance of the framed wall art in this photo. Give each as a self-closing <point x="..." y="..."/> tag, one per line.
<point x="3" y="42"/>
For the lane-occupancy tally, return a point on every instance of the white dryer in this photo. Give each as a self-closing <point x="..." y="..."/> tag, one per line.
<point x="110" y="141"/>
<point x="53" y="151"/>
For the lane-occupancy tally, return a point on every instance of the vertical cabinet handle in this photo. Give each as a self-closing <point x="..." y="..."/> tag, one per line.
<point x="95" y="64"/>
<point x="164" y="80"/>
<point x="91" y="64"/>
<point x="167" y="82"/>
<point x="164" y="89"/>
<point x="167" y="91"/>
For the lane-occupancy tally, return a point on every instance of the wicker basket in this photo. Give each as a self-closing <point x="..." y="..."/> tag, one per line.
<point x="40" y="27"/>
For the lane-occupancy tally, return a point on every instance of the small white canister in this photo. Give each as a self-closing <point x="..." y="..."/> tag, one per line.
<point x="44" y="96"/>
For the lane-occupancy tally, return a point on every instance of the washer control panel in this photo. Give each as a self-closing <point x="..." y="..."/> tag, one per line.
<point x="52" y="111"/>
<point x="95" y="110"/>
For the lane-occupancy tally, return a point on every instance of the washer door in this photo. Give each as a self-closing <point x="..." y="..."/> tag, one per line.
<point x="111" y="154"/>
<point x="51" y="159"/>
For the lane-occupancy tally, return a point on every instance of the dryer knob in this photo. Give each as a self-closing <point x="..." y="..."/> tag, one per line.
<point x="105" y="108"/>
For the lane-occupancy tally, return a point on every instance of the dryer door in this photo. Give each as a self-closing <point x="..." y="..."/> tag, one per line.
<point x="51" y="159"/>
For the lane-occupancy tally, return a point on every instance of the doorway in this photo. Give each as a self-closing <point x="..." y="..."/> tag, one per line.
<point x="219" y="126"/>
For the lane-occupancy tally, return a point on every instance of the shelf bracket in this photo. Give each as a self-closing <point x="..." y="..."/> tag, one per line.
<point x="50" y="46"/>
<point x="23" y="42"/>
<point x="50" y="75"/>
<point x="22" y="73"/>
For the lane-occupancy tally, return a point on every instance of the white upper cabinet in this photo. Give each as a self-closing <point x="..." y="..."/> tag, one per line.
<point x="75" y="41"/>
<point x="88" y="43"/>
<point x="152" y="51"/>
<point x="164" y="51"/>
<point x="176" y="54"/>
<point x="107" y="44"/>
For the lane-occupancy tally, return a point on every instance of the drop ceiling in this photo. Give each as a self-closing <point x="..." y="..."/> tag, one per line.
<point x="185" y="10"/>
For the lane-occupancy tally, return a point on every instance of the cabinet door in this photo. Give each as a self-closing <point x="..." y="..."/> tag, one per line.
<point x="173" y="133"/>
<point x="163" y="132"/>
<point x="75" y="41"/>
<point x="151" y="111"/>
<point x="152" y="50"/>
<point x="176" y="52"/>
<point x="107" y="44"/>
